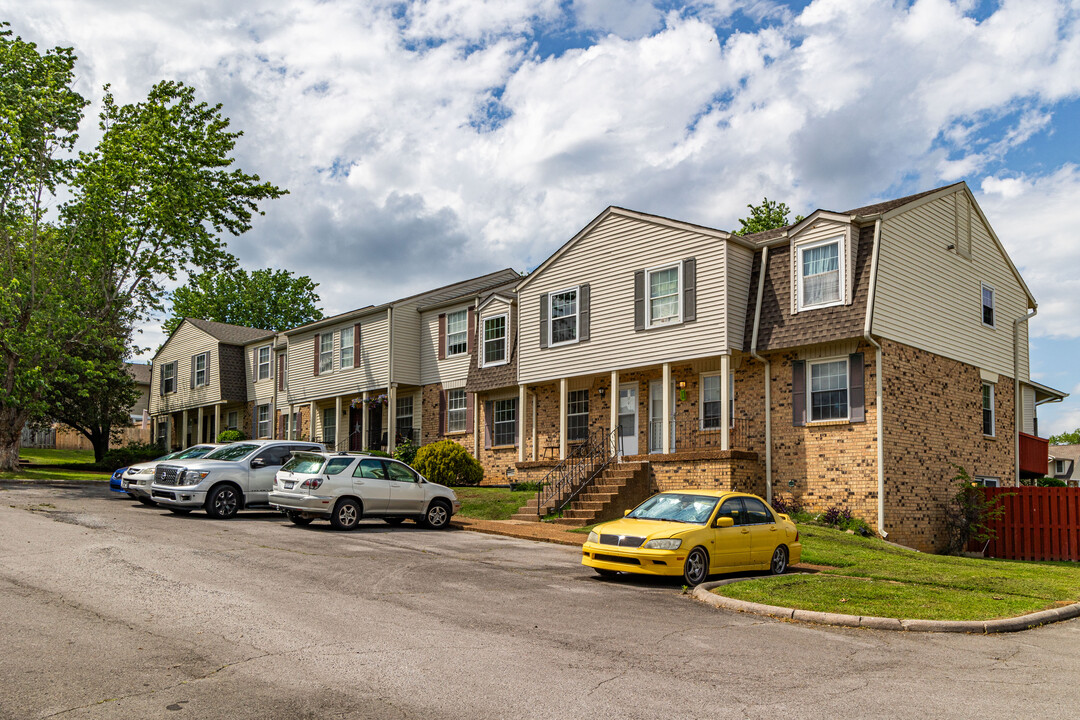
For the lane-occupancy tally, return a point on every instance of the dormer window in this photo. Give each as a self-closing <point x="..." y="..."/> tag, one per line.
<point x="564" y="316"/>
<point x="820" y="274"/>
<point x="495" y="340"/>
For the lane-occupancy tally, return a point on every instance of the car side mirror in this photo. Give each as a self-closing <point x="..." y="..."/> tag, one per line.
<point x="625" y="513"/>
<point x="258" y="462"/>
<point x="723" y="522"/>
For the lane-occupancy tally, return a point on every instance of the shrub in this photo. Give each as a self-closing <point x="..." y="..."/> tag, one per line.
<point x="1052" y="482"/>
<point x="968" y="514"/>
<point x="405" y="451"/>
<point x="129" y="455"/>
<point x="836" y="517"/>
<point x="448" y="463"/>
<point x="786" y="505"/>
<point x="228" y="436"/>
<point x="533" y="486"/>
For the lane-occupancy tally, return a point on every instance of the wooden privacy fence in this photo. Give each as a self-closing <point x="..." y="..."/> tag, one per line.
<point x="1039" y="523"/>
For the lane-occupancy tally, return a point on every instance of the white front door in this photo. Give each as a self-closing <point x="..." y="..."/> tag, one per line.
<point x="656" y="416"/>
<point x="628" y="419"/>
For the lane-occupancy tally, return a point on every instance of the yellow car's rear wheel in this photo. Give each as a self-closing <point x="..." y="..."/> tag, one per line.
<point x="779" y="561"/>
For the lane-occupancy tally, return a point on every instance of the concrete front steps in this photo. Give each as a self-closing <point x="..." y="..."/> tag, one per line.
<point x="619" y="488"/>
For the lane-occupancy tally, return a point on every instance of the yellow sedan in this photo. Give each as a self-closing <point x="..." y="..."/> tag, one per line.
<point x="694" y="533"/>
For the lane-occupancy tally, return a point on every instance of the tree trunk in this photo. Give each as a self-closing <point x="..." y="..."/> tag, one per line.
<point x="100" y="441"/>
<point x="11" y="425"/>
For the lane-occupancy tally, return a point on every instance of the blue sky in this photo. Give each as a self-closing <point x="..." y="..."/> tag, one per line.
<point x="427" y="141"/>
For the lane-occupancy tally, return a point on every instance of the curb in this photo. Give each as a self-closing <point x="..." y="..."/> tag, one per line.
<point x="703" y="593"/>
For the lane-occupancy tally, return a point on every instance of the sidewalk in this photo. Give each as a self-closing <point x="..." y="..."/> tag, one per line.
<point x="544" y="532"/>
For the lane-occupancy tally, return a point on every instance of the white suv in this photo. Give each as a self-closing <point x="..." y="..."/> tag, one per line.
<point x="229" y="479"/>
<point x="345" y="487"/>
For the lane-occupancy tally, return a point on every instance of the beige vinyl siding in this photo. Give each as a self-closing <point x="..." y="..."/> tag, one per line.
<point x="930" y="297"/>
<point x="186" y="342"/>
<point x="433" y="370"/>
<point x="406" y="344"/>
<point x="607" y="258"/>
<point x="1027" y="395"/>
<point x="739" y="262"/>
<point x="370" y="374"/>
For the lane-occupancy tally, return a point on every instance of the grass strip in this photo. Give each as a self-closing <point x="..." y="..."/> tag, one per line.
<point x="491" y="503"/>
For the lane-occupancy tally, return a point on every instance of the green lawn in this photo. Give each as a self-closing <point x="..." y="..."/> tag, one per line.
<point x="491" y="503"/>
<point x="871" y="578"/>
<point x="67" y="458"/>
<point x="41" y="456"/>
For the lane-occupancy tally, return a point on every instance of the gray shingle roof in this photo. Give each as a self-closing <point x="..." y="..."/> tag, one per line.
<point x="230" y="334"/>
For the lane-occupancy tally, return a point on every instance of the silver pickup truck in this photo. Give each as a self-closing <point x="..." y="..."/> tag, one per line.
<point x="229" y="479"/>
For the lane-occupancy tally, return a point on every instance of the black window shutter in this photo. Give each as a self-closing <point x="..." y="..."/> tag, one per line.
<point x="543" y="321"/>
<point x="488" y="422"/>
<point x="798" y="392"/>
<point x="270" y="357"/>
<point x="689" y="276"/>
<point x="207" y="368"/>
<point x="856" y="389"/>
<point x="583" y="316"/>
<point x="192" y="387"/>
<point x="255" y="365"/>
<point x="161" y="380"/>
<point x="470" y="334"/>
<point x="639" y="300"/>
<point x="318" y="347"/>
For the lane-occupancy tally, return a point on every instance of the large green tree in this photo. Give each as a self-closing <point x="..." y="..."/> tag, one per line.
<point x="1066" y="438"/>
<point x="147" y="204"/>
<point x="267" y="299"/>
<point x="766" y="216"/>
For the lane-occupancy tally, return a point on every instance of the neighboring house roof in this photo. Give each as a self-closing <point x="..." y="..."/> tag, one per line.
<point x="140" y="372"/>
<point x="504" y="287"/>
<point x="230" y="334"/>
<point x="1069" y="453"/>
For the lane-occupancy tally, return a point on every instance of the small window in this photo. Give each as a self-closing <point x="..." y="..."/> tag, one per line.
<point x="819" y="275"/>
<point x="710" y="402"/>
<point x="987" y="481"/>
<point x="495" y="340"/>
<point x="346" y="340"/>
<point x="264" y="421"/>
<point x="829" y="390"/>
<point x="455" y="411"/>
<point x="404" y="421"/>
<point x="664" y="306"/>
<point x="563" y="316"/>
<point x="988" y="409"/>
<point x="987" y="305"/>
<point x="232" y="421"/>
<point x="200" y="369"/>
<point x="1059" y="467"/>
<point x="329" y="425"/>
<point x="168" y="378"/>
<point x="577" y="415"/>
<point x="326" y="353"/>
<point x="457" y="332"/>
<point x="263" y="370"/>
<point x="504" y="427"/>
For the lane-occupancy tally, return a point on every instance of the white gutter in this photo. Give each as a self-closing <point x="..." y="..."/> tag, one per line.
<point x="768" y="374"/>
<point x="879" y="394"/>
<point x="1016" y="392"/>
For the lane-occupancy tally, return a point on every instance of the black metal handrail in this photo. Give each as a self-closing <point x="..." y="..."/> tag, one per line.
<point x="695" y="434"/>
<point x="584" y="463"/>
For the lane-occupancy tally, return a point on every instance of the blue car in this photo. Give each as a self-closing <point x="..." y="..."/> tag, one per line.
<point x="114" y="481"/>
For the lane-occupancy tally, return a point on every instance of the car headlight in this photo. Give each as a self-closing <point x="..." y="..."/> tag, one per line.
<point x="594" y="537"/>
<point x="664" y="544"/>
<point x="192" y="477"/>
<point x="133" y="471"/>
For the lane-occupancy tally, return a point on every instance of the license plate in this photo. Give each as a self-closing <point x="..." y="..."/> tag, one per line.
<point x="289" y="485"/>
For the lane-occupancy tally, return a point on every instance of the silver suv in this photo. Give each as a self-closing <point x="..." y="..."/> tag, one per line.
<point x="237" y="476"/>
<point x="345" y="487"/>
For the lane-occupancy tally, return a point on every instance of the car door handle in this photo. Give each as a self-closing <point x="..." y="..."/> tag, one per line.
<point x="745" y="530"/>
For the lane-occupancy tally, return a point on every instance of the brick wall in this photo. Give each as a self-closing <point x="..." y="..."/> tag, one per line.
<point x="707" y="470"/>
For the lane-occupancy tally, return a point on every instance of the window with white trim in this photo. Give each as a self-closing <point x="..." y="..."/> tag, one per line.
<point x="711" y="401"/>
<point x="329" y="425"/>
<point x="1059" y="467"/>
<point x="987" y="481"/>
<point x="264" y="421"/>
<point x="404" y="415"/>
<point x="820" y="274"/>
<point x="988" y="409"/>
<point x="563" y="316"/>
<point x="577" y="415"/>
<point x="457" y="332"/>
<point x="829" y="390"/>
<point x="326" y="353"/>
<point x="346" y="342"/>
<point x="168" y="378"/>
<point x="232" y="420"/>
<point x="504" y="425"/>
<point x="263" y="369"/>
<point x="200" y="369"/>
<point x="664" y="299"/>
<point x="455" y="410"/>
<point x="987" y="305"/>
<point x="495" y="340"/>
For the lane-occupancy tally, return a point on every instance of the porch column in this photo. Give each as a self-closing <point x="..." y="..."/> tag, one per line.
<point x="614" y="410"/>
<point x="391" y="418"/>
<point x="534" y="438"/>
<point x="521" y="423"/>
<point x="725" y="402"/>
<point x="168" y="432"/>
<point x="311" y="421"/>
<point x="183" y="429"/>
<point x="364" y="422"/>
<point x="198" y="425"/>
<point x="289" y="424"/>
<point x="665" y="426"/>
<point x="217" y="422"/>
<point x="562" y="418"/>
<point x="337" y="422"/>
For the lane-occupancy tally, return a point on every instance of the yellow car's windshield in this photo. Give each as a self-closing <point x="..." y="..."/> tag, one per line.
<point x="676" y="507"/>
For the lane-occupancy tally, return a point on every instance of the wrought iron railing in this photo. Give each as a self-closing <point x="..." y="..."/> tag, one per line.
<point x="694" y="434"/>
<point x="574" y="473"/>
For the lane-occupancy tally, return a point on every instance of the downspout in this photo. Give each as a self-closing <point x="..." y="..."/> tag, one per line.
<point x="768" y="374"/>
<point x="879" y="394"/>
<point x="1016" y="392"/>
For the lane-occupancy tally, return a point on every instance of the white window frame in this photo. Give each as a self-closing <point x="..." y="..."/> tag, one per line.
<point x="326" y="364"/>
<point x="465" y="344"/>
<point x="987" y="481"/>
<point x="451" y="419"/>
<point x="569" y="404"/>
<point x="261" y="421"/>
<point x="165" y="378"/>
<point x="329" y="412"/>
<point x="993" y="306"/>
<point x="510" y="404"/>
<point x="841" y="254"/>
<point x="993" y="409"/>
<point x="730" y="401"/>
<point x="262" y="367"/>
<point x="349" y="345"/>
<point x="577" y="316"/>
<point x="1059" y="467"/>
<point x="810" y="388"/>
<point x="505" y="340"/>
<point x="232" y="420"/>
<point x="205" y="357"/>
<point x="678" y="318"/>
<point x="399" y="416"/>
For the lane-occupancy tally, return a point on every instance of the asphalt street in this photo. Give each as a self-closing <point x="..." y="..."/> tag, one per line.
<point x="111" y="609"/>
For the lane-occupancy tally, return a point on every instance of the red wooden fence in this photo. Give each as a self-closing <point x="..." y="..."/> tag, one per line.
<point x="1039" y="523"/>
